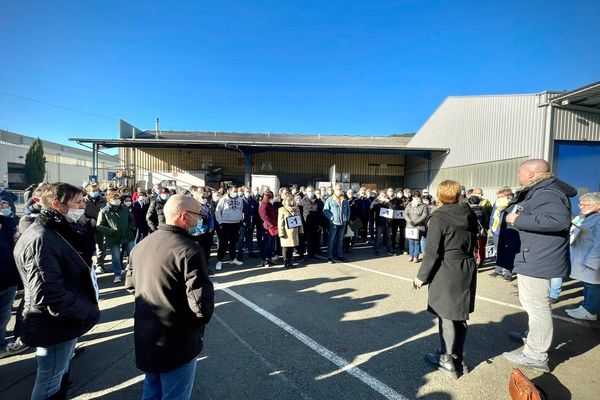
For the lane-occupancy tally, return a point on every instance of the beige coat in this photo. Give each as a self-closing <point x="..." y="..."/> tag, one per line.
<point x="290" y="237"/>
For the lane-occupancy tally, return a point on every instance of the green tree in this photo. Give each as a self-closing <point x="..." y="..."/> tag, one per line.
<point x="35" y="163"/>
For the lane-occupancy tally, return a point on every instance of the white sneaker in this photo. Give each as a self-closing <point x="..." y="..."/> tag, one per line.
<point x="100" y="270"/>
<point x="219" y="266"/>
<point x="13" y="348"/>
<point x="237" y="262"/>
<point x="117" y="279"/>
<point x="275" y="257"/>
<point x="581" y="313"/>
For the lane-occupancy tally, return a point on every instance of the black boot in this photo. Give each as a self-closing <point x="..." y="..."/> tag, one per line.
<point x="443" y="362"/>
<point x="287" y="264"/>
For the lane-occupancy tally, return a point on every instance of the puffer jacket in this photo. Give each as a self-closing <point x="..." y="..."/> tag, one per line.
<point x="537" y="245"/>
<point x="60" y="299"/>
<point x="117" y="225"/>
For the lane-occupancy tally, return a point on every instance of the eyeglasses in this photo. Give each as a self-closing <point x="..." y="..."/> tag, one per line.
<point x="193" y="212"/>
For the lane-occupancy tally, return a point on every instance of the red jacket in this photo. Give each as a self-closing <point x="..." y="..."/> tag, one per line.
<point x="268" y="213"/>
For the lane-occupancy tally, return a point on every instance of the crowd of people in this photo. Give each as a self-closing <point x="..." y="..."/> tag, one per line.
<point x="162" y="240"/>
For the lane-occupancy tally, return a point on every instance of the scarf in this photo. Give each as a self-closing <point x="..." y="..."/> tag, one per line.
<point x="501" y="204"/>
<point x="55" y="221"/>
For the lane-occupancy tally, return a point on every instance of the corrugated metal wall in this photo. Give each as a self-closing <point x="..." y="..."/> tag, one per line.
<point x="576" y="125"/>
<point x="481" y="129"/>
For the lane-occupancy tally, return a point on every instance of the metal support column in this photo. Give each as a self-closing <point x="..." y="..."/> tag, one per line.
<point x="95" y="159"/>
<point x="248" y="168"/>
<point x="428" y="179"/>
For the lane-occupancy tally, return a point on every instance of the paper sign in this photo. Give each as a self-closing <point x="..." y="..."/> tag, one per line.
<point x="386" y="213"/>
<point x="490" y="251"/>
<point x="398" y="214"/>
<point x="412" y="233"/>
<point x="293" y="222"/>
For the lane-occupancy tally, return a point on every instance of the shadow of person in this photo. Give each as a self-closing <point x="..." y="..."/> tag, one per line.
<point x="552" y="387"/>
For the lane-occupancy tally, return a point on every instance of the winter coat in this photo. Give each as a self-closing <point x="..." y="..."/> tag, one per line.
<point x="268" y="213"/>
<point x="363" y="206"/>
<point x="229" y="210"/>
<point x="290" y="237"/>
<point x="29" y="217"/>
<point x="250" y="208"/>
<point x="482" y="217"/>
<point x="9" y="228"/>
<point x="448" y="266"/>
<point x="116" y="225"/>
<point x="312" y="213"/>
<point x="10" y="197"/>
<point x="376" y="207"/>
<point x="585" y="250"/>
<point x="60" y="300"/>
<point x="139" y="212"/>
<point x="174" y="299"/>
<point x="537" y="245"/>
<point x="9" y="276"/>
<point x="93" y="206"/>
<point x="155" y="215"/>
<point x="417" y="216"/>
<point x="337" y="210"/>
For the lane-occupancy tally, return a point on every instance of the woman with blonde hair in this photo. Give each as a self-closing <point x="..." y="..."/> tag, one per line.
<point x="450" y="270"/>
<point x="288" y="217"/>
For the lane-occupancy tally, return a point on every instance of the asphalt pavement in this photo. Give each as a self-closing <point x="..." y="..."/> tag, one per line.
<point x="354" y="330"/>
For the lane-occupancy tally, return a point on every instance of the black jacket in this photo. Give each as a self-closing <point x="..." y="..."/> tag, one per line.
<point x="60" y="298"/>
<point x="174" y="299"/>
<point x="9" y="276"/>
<point x="448" y="265"/>
<point x="155" y="214"/>
<point x="537" y="245"/>
<point x="312" y="213"/>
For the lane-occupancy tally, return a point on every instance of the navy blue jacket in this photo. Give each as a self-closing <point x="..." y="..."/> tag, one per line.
<point x="537" y="245"/>
<point x="250" y="211"/>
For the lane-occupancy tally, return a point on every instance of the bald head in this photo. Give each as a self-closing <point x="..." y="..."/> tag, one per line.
<point x="176" y="206"/>
<point x="531" y="169"/>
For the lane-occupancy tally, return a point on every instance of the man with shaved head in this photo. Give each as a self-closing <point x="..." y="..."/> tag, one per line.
<point x="534" y="243"/>
<point x="174" y="300"/>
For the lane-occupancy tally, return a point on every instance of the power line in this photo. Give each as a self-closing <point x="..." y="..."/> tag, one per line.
<point x="58" y="106"/>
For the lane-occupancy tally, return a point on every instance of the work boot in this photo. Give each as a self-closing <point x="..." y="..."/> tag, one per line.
<point x="443" y="362"/>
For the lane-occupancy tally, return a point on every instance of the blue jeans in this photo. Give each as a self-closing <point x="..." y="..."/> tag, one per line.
<point x="555" y="287"/>
<point x="414" y="248"/>
<point x="176" y="384"/>
<point x="336" y="241"/>
<point x="52" y="364"/>
<point x="383" y="232"/>
<point x="115" y="254"/>
<point x="245" y="240"/>
<point x="591" y="297"/>
<point x="423" y="241"/>
<point x="7" y="298"/>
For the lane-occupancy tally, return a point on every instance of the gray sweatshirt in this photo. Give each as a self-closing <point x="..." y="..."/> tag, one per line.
<point x="229" y="211"/>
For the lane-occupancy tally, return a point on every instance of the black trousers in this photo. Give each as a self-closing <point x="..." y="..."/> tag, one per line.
<point x="205" y="241"/>
<point x="452" y="337"/>
<point x="398" y="227"/>
<point x="311" y="241"/>
<point x="230" y="234"/>
<point x="288" y="253"/>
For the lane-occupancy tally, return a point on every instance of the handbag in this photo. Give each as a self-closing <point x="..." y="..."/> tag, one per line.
<point x="521" y="388"/>
<point x="273" y="231"/>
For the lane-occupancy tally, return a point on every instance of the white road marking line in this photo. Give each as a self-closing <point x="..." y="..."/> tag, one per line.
<point x="101" y="393"/>
<point x="358" y="373"/>
<point x="501" y="303"/>
<point x="266" y="362"/>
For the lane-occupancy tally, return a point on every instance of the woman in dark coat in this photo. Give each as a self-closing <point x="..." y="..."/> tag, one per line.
<point x="450" y="270"/>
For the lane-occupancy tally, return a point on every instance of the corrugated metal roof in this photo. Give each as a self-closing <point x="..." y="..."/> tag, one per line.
<point x="585" y="96"/>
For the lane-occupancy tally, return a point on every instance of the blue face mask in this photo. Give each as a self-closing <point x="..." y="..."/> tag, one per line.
<point x="198" y="229"/>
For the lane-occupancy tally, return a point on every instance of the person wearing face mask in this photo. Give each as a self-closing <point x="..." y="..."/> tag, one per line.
<point x="118" y="227"/>
<point x="155" y="215"/>
<point x="8" y="196"/>
<point x="396" y="224"/>
<point x="60" y="289"/>
<point x="289" y="236"/>
<point x="268" y="215"/>
<point x="135" y="195"/>
<point x="311" y="209"/>
<point x="337" y="212"/>
<point x="32" y="212"/>
<point x="363" y="205"/>
<point x="204" y="230"/>
<point x="382" y="224"/>
<point x="174" y="301"/>
<point x="503" y="197"/>
<point x="372" y="216"/>
<point x="139" y="210"/>
<point x="229" y="215"/>
<point x="250" y="211"/>
<point x="417" y="215"/>
<point x="93" y="204"/>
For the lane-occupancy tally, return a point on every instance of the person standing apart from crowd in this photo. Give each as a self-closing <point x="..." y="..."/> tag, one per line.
<point x="288" y="235"/>
<point x="450" y="272"/>
<point x="155" y="215"/>
<point x="229" y="216"/>
<point x="535" y="236"/>
<point x="60" y="289"/>
<point x="94" y="202"/>
<point x="585" y="256"/>
<point x="503" y="198"/>
<point x="174" y="301"/>
<point x="417" y="216"/>
<point x="118" y="227"/>
<point x="337" y="212"/>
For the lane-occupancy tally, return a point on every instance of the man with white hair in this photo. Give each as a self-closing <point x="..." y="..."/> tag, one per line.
<point x="174" y="300"/>
<point x="534" y="238"/>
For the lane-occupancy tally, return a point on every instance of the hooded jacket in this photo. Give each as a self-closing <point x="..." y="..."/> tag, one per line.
<point x="537" y="244"/>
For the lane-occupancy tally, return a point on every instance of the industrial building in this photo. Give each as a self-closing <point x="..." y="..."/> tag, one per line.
<point x="63" y="163"/>
<point x="477" y="140"/>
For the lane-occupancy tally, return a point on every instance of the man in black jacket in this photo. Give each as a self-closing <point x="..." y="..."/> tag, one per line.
<point x="534" y="237"/>
<point x="174" y="300"/>
<point x="312" y="217"/>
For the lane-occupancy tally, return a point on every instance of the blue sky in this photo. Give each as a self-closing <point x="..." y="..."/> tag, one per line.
<point x="337" y="67"/>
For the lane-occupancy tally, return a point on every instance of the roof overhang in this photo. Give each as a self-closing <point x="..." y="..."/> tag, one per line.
<point x="586" y="98"/>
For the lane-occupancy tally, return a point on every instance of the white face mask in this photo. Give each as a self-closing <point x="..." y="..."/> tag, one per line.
<point x="233" y="195"/>
<point x="141" y="198"/>
<point x="127" y="203"/>
<point x="338" y="193"/>
<point x="294" y="191"/>
<point x="247" y="195"/>
<point x="116" y="202"/>
<point x="310" y="194"/>
<point x="164" y="196"/>
<point x="390" y="194"/>
<point x="203" y="200"/>
<point x="256" y="192"/>
<point x="75" y="213"/>
<point x="5" y="212"/>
